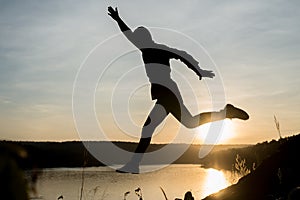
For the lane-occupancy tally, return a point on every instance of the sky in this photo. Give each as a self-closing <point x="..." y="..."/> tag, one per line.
<point x="253" y="46"/>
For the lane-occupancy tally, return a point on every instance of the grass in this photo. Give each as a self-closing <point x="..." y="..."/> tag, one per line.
<point x="277" y="126"/>
<point x="240" y="169"/>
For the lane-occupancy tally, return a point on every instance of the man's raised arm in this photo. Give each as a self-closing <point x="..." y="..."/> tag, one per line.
<point x="123" y="27"/>
<point x="191" y="63"/>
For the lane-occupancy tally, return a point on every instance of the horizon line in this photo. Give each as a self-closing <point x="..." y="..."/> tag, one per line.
<point x="120" y="141"/>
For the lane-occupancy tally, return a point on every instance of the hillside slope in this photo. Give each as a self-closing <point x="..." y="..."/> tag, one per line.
<point x="275" y="178"/>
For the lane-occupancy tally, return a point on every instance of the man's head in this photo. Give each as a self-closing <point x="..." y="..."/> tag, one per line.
<point x="142" y="36"/>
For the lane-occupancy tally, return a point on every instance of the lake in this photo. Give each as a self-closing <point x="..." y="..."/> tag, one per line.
<point x="104" y="183"/>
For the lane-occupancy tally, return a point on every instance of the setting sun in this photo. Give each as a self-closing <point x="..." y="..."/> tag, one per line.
<point x="227" y="132"/>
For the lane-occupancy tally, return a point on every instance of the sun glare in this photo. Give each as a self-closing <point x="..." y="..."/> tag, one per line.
<point x="227" y="132"/>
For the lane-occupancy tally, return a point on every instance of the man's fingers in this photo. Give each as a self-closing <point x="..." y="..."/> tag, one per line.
<point x="110" y="9"/>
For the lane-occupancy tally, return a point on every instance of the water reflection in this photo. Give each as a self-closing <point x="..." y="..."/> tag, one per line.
<point x="214" y="181"/>
<point x="104" y="183"/>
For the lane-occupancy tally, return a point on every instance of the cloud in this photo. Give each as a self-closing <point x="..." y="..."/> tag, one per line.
<point x="42" y="44"/>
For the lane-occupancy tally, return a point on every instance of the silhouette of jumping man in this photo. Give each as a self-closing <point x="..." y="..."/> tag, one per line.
<point x="164" y="90"/>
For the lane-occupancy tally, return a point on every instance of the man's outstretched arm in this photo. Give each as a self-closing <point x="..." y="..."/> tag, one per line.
<point x="123" y="27"/>
<point x="191" y="63"/>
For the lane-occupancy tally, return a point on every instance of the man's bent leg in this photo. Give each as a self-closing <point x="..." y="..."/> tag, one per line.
<point x="156" y="116"/>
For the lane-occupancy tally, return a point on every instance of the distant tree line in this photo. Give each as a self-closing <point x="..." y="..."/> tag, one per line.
<point x="74" y="153"/>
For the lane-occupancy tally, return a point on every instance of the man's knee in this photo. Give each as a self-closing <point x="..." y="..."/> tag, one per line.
<point x="187" y="120"/>
<point x="148" y="121"/>
<point x="151" y="123"/>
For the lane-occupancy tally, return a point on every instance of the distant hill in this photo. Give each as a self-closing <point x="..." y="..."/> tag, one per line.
<point x="254" y="155"/>
<point x="74" y="154"/>
<point x="277" y="175"/>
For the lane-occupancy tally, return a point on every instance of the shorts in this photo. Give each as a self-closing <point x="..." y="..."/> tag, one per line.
<point x="168" y="96"/>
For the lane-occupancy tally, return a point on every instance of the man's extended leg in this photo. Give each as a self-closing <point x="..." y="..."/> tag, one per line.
<point x="156" y="116"/>
<point x="183" y="115"/>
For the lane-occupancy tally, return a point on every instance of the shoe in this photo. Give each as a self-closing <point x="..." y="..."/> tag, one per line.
<point x="234" y="112"/>
<point x="129" y="168"/>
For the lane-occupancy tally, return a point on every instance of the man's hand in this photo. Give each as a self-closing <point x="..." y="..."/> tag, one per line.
<point x="206" y="73"/>
<point x="113" y="13"/>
